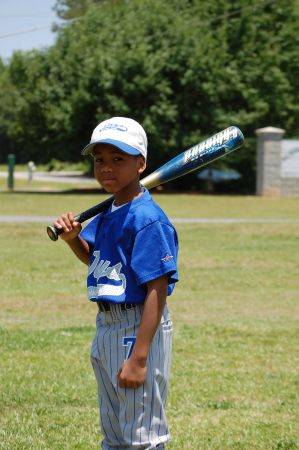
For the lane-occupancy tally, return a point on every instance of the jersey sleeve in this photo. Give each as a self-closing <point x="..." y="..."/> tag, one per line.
<point x="89" y="232"/>
<point x="155" y="253"/>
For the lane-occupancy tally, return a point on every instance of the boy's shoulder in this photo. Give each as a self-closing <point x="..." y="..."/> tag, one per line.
<point x="146" y="211"/>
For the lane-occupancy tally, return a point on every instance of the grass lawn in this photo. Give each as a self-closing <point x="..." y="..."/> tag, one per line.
<point x="234" y="378"/>
<point x="175" y="205"/>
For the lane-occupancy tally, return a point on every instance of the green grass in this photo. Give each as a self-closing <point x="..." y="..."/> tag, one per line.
<point x="179" y="205"/>
<point x="234" y="381"/>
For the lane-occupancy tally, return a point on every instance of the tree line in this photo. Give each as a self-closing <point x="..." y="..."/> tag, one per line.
<point x="184" y="69"/>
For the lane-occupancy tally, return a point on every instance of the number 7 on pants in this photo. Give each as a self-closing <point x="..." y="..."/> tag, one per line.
<point x="129" y="341"/>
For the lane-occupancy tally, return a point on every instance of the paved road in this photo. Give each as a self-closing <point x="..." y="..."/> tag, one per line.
<point x="63" y="177"/>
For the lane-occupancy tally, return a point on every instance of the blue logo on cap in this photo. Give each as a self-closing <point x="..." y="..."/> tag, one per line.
<point x="113" y="126"/>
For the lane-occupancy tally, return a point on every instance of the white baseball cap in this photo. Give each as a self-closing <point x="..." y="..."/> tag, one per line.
<point x="121" y="132"/>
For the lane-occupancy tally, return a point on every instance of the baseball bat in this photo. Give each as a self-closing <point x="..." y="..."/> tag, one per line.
<point x="199" y="155"/>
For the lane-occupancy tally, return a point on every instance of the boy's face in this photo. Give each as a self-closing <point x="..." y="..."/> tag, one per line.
<point x="116" y="171"/>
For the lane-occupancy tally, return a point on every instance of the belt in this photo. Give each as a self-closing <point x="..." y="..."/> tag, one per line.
<point x="106" y="306"/>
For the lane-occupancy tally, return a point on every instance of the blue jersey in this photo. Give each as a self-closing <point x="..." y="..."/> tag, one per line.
<point x="130" y="247"/>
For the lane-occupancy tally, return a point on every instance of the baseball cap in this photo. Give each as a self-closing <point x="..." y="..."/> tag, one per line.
<point x="121" y="132"/>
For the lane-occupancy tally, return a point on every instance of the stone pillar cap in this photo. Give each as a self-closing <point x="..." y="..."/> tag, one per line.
<point x="270" y="130"/>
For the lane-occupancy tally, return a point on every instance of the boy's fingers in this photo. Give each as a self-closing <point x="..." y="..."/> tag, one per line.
<point x="57" y="225"/>
<point x="65" y="222"/>
<point x="125" y="383"/>
<point x="77" y="225"/>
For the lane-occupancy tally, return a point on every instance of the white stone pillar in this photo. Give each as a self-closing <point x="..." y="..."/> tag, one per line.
<point x="268" y="174"/>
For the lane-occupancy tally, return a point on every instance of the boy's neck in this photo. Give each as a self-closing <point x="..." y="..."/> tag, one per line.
<point x="122" y="198"/>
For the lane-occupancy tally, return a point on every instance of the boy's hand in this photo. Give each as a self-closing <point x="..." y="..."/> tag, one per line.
<point x="70" y="228"/>
<point x="131" y="374"/>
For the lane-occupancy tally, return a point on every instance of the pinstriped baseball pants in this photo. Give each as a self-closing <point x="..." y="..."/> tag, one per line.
<point x="131" y="418"/>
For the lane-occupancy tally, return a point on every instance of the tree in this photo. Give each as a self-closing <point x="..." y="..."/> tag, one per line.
<point x="184" y="69"/>
<point x="71" y="9"/>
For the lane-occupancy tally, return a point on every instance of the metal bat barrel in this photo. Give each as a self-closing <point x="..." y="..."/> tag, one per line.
<point x="197" y="156"/>
<point x="186" y="162"/>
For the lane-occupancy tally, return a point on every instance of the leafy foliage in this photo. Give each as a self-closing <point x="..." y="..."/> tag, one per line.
<point x="184" y="69"/>
<point x="71" y="9"/>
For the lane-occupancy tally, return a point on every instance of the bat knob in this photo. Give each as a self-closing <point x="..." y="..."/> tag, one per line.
<point x="53" y="233"/>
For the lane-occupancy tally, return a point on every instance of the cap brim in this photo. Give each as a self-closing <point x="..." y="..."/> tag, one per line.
<point x="118" y="144"/>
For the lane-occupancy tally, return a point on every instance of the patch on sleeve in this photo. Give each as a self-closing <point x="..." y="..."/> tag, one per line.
<point x="167" y="258"/>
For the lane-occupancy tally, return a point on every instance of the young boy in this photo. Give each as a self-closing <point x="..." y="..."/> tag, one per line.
<point x="131" y="251"/>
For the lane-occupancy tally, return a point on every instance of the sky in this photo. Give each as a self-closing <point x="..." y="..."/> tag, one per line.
<point x="18" y="19"/>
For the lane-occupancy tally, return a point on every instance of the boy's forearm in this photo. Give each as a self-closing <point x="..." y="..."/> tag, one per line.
<point x="80" y="248"/>
<point x="150" y="321"/>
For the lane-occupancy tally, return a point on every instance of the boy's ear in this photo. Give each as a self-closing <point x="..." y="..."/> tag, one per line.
<point x="142" y="164"/>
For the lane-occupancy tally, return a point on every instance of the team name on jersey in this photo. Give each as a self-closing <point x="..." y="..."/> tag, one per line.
<point x="100" y="268"/>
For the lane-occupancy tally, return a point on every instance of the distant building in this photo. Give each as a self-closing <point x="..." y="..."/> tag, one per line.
<point x="277" y="163"/>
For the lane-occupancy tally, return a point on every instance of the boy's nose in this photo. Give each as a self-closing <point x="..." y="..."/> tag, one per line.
<point x="106" y="167"/>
